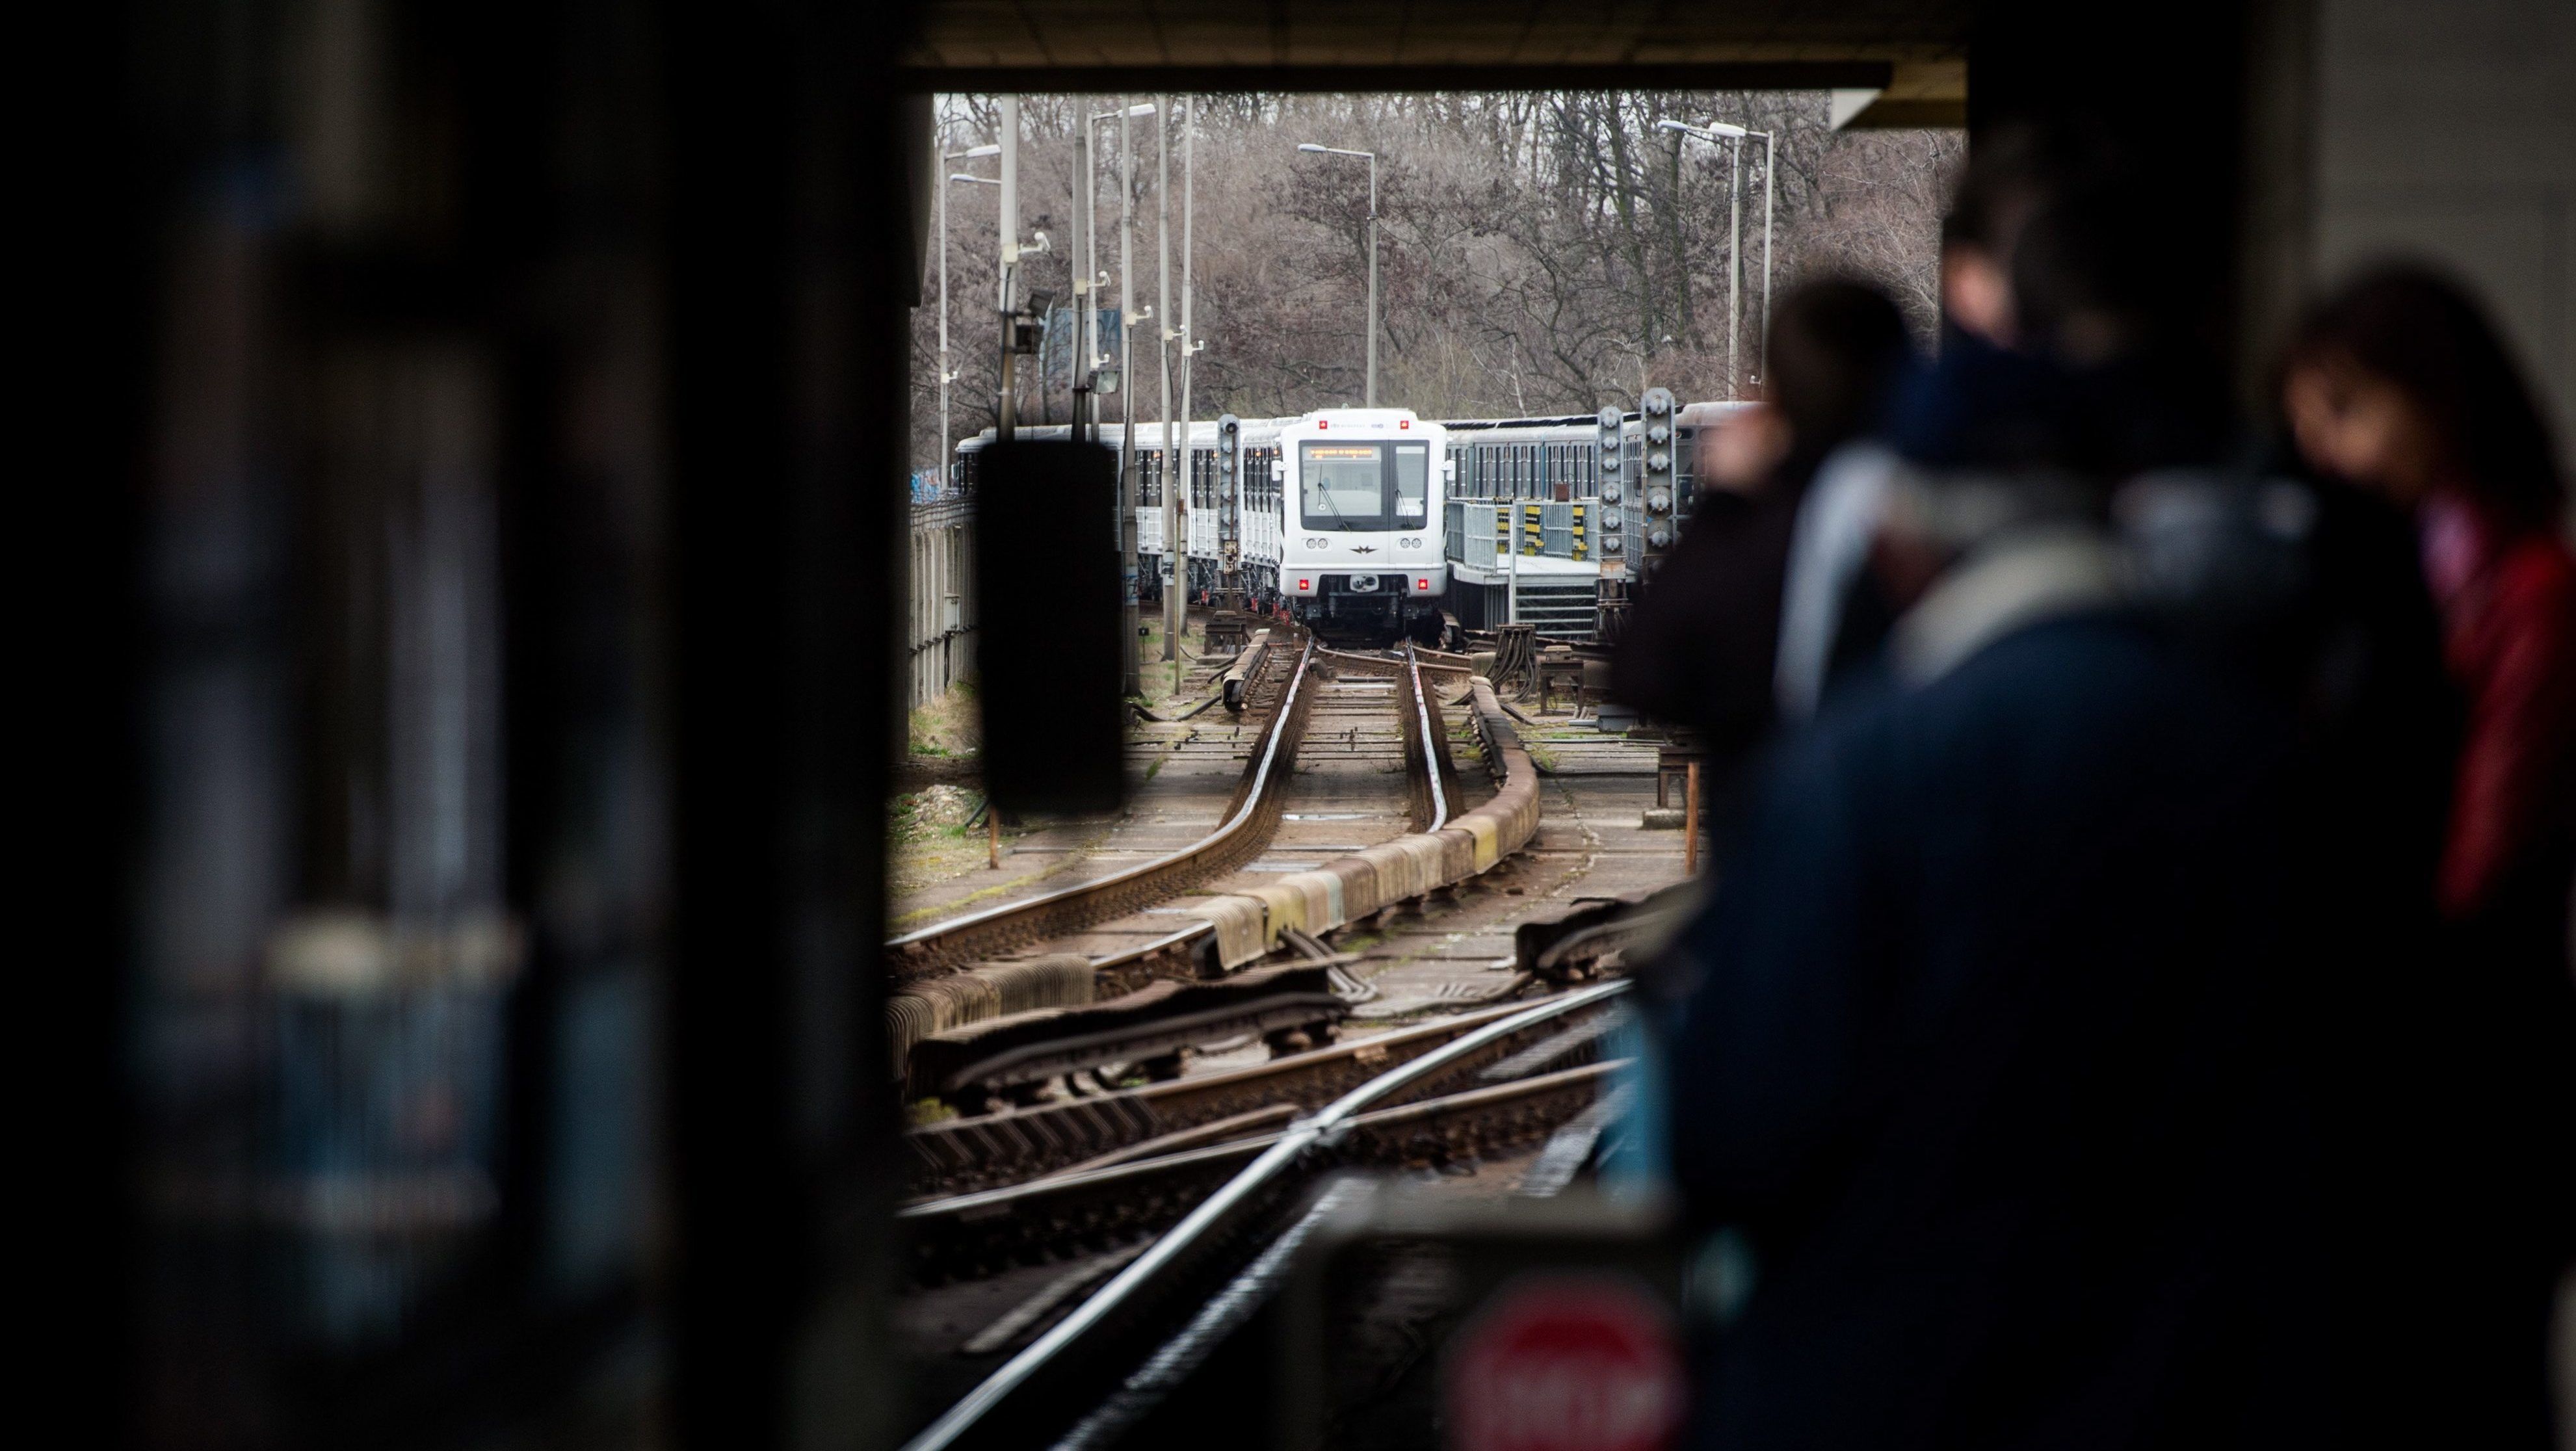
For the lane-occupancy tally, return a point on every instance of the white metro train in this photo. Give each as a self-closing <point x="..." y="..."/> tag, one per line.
<point x="1373" y="522"/>
<point x="1341" y="514"/>
<point x="1360" y="492"/>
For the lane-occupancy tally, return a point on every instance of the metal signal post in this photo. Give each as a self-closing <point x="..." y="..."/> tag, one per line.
<point x="1655" y="418"/>
<point x="1229" y="511"/>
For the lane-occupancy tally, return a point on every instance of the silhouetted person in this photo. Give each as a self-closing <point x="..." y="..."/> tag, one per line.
<point x="1699" y="650"/>
<point x="2397" y="385"/>
<point x="1990" y="1058"/>
<point x="1978" y="1061"/>
<point x="2064" y="343"/>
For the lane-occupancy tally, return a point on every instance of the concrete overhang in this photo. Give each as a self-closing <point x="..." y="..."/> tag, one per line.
<point x="1917" y="94"/>
<point x="1911" y="53"/>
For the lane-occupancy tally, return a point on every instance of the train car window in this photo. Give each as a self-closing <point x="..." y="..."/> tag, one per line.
<point x="1342" y="485"/>
<point x="1412" y="484"/>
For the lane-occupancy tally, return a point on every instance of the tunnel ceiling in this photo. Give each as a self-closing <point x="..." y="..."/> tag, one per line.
<point x="1354" y="44"/>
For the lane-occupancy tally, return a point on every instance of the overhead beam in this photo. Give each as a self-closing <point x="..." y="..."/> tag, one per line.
<point x="1919" y="94"/>
<point x="1822" y="75"/>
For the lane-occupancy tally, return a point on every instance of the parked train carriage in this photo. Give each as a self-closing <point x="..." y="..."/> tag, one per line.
<point x="1525" y="458"/>
<point x="1257" y="522"/>
<point x="1531" y="486"/>
<point x="1258" y="526"/>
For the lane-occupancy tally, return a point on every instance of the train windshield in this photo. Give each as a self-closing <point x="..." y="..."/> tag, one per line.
<point x="1412" y="484"/>
<point x="1342" y="485"/>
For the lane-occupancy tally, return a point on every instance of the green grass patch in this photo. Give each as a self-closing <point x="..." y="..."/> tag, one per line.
<point x="948" y="727"/>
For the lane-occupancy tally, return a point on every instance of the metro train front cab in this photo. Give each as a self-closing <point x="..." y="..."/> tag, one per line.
<point x="1360" y="543"/>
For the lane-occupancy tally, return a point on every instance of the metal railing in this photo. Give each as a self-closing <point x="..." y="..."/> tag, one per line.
<point x="1479" y="531"/>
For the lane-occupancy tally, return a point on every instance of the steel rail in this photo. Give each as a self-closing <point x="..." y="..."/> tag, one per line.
<point x="940" y="942"/>
<point x="1035" y="1143"/>
<point x="1325" y="1129"/>
<point x="1256" y="1132"/>
<point x="1430" y="743"/>
<point x="1143" y="950"/>
<point x="1602" y="938"/>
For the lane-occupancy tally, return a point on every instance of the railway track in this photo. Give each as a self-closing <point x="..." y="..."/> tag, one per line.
<point x="1249" y="820"/>
<point x="1222" y="1214"/>
<point x="1009" y="1030"/>
<point x="966" y="1155"/>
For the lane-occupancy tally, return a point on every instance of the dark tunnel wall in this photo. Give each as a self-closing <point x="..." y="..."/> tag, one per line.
<point x="472" y="712"/>
<point x="507" y="672"/>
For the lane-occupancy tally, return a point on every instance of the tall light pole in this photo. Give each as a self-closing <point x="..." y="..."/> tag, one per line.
<point x="1371" y="156"/>
<point x="1190" y="344"/>
<point x="1172" y="613"/>
<point x="1094" y="359"/>
<point x="1762" y="344"/>
<point x="1735" y="266"/>
<point x="948" y="375"/>
<point x="1712" y="133"/>
<point x="1010" y="225"/>
<point x="1134" y="681"/>
<point x="1078" y="356"/>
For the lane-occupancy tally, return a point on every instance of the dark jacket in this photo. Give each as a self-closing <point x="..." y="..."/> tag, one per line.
<point x="1698" y="651"/>
<point x="1985" y="1060"/>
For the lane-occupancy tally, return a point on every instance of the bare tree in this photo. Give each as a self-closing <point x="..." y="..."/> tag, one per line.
<point x="1540" y="252"/>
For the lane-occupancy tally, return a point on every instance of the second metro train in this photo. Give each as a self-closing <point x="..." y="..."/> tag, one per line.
<point x="1341" y="516"/>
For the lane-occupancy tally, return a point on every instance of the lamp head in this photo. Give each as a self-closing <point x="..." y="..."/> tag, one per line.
<point x="988" y="149"/>
<point x="1310" y="146"/>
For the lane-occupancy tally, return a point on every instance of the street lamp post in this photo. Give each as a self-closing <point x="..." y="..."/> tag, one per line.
<point x="1007" y="415"/>
<point x="1173" y="616"/>
<point x="1078" y="354"/>
<point x="948" y="375"/>
<point x="1762" y="345"/>
<point x="1132" y="672"/>
<point x="1735" y="266"/>
<point x="1712" y="133"/>
<point x="1091" y="279"/>
<point x="1190" y="345"/>
<point x="1372" y="251"/>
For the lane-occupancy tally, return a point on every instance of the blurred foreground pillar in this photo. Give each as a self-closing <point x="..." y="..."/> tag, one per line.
<point x="504" y="461"/>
